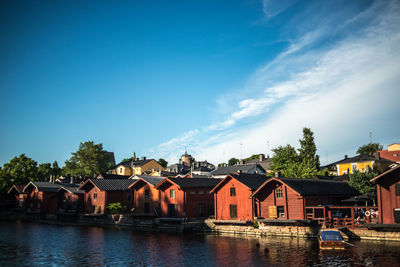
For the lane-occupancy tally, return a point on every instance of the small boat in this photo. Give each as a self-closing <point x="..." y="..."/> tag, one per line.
<point x="330" y="239"/>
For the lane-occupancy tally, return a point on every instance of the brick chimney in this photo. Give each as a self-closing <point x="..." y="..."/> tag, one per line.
<point x="143" y="158"/>
<point x="261" y="157"/>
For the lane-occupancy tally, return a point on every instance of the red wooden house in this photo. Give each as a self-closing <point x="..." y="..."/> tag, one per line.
<point x="233" y="196"/>
<point x="146" y="195"/>
<point x="388" y="195"/>
<point x="18" y="196"/>
<point x="287" y="198"/>
<point x="190" y="198"/>
<point x="71" y="199"/>
<point x="42" y="197"/>
<point x="101" y="192"/>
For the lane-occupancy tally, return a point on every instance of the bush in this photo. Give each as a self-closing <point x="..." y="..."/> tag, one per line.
<point x="115" y="208"/>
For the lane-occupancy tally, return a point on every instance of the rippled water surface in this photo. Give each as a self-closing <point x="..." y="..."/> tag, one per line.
<point x="31" y="244"/>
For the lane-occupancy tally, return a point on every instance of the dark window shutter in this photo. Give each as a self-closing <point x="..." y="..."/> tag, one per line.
<point x="397" y="189"/>
<point x="233" y="211"/>
<point x="396" y="213"/>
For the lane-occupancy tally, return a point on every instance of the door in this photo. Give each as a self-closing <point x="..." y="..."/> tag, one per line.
<point x="172" y="210"/>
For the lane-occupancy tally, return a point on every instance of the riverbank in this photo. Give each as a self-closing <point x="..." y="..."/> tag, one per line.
<point x="261" y="228"/>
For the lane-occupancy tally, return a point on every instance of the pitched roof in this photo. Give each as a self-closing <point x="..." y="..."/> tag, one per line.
<point x="202" y="169"/>
<point x="245" y="168"/>
<point x="252" y="181"/>
<point x="74" y="189"/>
<point x="265" y="163"/>
<point x="110" y="184"/>
<point x="152" y="180"/>
<point x="44" y="186"/>
<point x="112" y="176"/>
<point x="18" y="187"/>
<point x="388" y="172"/>
<point x="314" y="187"/>
<point x="191" y="183"/>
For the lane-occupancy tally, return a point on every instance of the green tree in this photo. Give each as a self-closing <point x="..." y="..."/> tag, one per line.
<point x="233" y="161"/>
<point x="44" y="172"/>
<point x="20" y="170"/>
<point x="361" y="181"/>
<point x="369" y="149"/>
<point x="163" y="162"/>
<point x="308" y="149"/>
<point x="55" y="170"/>
<point x="284" y="158"/>
<point x="89" y="160"/>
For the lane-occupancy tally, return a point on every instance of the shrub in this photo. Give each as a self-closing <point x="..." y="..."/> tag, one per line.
<point x="115" y="208"/>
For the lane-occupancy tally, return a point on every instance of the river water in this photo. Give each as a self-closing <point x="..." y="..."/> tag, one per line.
<point x="32" y="244"/>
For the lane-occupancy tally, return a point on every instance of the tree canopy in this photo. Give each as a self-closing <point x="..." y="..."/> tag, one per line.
<point x="88" y="160"/>
<point x="304" y="164"/>
<point x="163" y="162"/>
<point x="233" y="161"/>
<point x="20" y="170"/>
<point x="369" y="149"/>
<point x="361" y="181"/>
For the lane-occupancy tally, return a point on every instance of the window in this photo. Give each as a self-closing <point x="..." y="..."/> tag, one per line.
<point x="129" y="197"/>
<point x="233" y="211"/>
<point x="233" y="191"/>
<point x="354" y="167"/>
<point x="281" y="211"/>
<point x="121" y="170"/>
<point x="279" y="193"/>
<point x="172" y="193"/>
<point x="147" y="194"/>
<point x="95" y="196"/>
<point x="69" y="198"/>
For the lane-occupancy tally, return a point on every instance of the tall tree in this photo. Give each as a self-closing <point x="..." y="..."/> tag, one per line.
<point x="44" y="172"/>
<point x="20" y="170"/>
<point x="89" y="160"/>
<point x="369" y="149"/>
<point x="284" y="157"/>
<point x="163" y="162"/>
<point x="308" y="149"/>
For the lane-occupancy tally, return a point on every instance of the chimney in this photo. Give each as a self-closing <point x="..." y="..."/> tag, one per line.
<point x="241" y="162"/>
<point x="345" y="156"/>
<point x="143" y="158"/>
<point x="261" y="157"/>
<point x="277" y="174"/>
<point x="239" y="171"/>
<point x="71" y="180"/>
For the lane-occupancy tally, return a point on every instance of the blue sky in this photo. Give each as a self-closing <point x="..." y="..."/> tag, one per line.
<point x="220" y="78"/>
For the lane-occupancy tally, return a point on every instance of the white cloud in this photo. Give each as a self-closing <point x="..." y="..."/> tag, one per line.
<point x="339" y="91"/>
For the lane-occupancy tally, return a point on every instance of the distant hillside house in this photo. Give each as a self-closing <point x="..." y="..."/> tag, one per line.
<point x="392" y="153"/>
<point x="137" y="167"/>
<point x="201" y="171"/>
<point x="222" y="172"/>
<point x="362" y="163"/>
<point x="187" y="164"/>
<point x="264" y="162"/>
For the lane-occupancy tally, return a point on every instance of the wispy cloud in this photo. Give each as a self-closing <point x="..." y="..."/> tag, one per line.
<point x="273" y="8"/>
<point x="337" y="89"/>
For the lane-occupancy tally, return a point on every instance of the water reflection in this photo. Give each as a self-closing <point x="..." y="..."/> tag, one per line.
<point x="29" y="244"/>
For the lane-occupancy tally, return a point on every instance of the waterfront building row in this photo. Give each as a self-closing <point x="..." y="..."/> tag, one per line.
<point x="237" y="197"/>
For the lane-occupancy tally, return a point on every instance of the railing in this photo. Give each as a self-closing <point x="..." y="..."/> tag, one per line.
<point x="337" y="217"/>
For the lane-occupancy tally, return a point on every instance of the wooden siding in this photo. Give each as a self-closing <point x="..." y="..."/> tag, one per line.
<point x="188" y="201"/>
<point x="387" y="199"/>
<point x="242" y="200"/>
<point x="153" y="199"/>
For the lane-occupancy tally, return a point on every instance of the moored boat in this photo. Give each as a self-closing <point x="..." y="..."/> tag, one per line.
<point x="331" y="239"/>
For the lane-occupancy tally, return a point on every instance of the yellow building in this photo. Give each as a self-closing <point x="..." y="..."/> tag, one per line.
<point x="137" y="167"/>
<point x="361" y="163"/>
